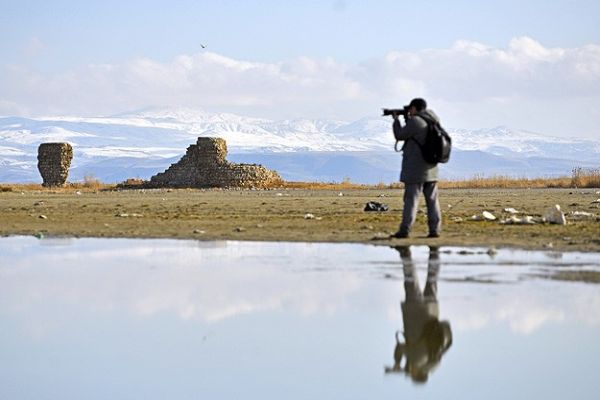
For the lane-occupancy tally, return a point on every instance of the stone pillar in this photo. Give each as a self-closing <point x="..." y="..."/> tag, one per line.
<point x="54" y="160"/>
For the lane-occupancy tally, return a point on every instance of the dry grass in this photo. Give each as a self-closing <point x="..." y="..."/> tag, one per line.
<point x="323" y="185"/>
<point x="507" y="182"/>
<point x="585" y="178"/>
<point x="90" y="186"/>
<point x="91" y="182"/>
<point x="580" y="178"/>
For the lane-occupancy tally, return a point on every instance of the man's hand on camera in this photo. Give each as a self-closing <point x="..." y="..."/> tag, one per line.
<point x="395" y="115"/>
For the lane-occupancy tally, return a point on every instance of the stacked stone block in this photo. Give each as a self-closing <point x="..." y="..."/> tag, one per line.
<point x="54" y="160"/>
<point x="204" y="166"/>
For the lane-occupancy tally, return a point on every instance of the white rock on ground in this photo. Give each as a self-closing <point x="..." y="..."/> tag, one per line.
<point x="554" y="215"/>
<point x="526" y="220"/>
<point x="484" y="216"/>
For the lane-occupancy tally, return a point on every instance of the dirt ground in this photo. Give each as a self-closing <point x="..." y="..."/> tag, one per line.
<point x="281" y="215"/>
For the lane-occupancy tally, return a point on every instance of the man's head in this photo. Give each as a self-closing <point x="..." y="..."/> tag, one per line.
<point x="416" y="105"/>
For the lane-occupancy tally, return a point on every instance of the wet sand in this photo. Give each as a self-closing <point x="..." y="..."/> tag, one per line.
<point x="281" y="215"/>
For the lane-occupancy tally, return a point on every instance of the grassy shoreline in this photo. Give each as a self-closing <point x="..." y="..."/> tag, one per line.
<point x="281" y="215"/>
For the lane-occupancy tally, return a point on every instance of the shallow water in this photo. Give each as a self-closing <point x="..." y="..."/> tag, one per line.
<point x="166" y="319"/>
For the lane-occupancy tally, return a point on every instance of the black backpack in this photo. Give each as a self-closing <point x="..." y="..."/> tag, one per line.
<point x="438" y="143"/>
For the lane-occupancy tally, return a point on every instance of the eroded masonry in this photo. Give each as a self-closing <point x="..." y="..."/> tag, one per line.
<point x="54" y="161"/>
<point x="204" y="165"/>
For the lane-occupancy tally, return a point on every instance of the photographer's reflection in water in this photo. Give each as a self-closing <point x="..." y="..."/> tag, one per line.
<point x="426" y="338"/>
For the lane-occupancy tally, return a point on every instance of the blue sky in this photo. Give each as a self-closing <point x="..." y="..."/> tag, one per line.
<point x="76" y="32"/>
<point x="72" y="48"/>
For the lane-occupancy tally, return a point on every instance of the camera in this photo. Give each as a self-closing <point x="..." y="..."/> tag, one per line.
<point x="397" y="111"/>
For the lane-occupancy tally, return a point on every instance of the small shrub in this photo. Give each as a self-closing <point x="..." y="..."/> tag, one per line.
<point x="91" y="182"/>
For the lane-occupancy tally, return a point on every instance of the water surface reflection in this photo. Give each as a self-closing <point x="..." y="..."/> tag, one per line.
<point x="156" y="319"/>
<point x="426" y="338"/>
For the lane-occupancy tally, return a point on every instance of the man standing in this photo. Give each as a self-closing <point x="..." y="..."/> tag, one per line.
<point x="418" y="175"/>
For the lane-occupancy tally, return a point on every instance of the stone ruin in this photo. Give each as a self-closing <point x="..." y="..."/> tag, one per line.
<point x="54" y="160"/>
<point x="204" y="166"/>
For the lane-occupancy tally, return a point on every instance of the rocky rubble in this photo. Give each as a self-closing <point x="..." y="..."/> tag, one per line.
<point x="54" y="160"/>
<point x="204" y="166"/>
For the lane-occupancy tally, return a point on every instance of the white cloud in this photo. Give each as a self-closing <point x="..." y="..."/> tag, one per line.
<point x="525" y="85"/>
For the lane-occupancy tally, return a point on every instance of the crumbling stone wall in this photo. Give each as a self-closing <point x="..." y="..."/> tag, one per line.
<point x="54" y="160"/>
<point x="204" y="165"/>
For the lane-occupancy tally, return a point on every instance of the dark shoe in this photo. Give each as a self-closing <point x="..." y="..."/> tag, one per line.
<point x="433" y="235"/>
<point x="400" y="235"/>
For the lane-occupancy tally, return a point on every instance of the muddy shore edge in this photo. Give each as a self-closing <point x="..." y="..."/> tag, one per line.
<point x="302" y="215"/>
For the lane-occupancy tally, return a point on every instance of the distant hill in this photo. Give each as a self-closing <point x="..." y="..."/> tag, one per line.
<point x="140" y="144"/>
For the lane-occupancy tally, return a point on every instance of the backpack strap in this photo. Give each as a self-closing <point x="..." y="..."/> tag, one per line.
<point x="428" y="121"/>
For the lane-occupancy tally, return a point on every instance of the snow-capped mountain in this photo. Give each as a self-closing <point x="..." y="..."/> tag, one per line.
<point x="140" y="144"/>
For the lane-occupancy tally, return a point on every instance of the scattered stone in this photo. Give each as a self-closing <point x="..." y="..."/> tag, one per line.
<point x="375" y="206"/>
<point x="513" y="220"/>
<point x="596" y="201"/>
<point x="198" y="231"/>
<point x="240" y="229"/>
<point x="369" y="227"/>
<point x="488" y="216"/>
<point x="278" y="194"/>
<point x="484" y="216"/>
<point x="38" y="203"/>
<point x="582" y="214"/>
<point x="39" y="235"/>
<point x="126" y="215"/>
<point x="549" y="245"/>
<point x="340" y="194"/>
<point x="78" y="193"/>
<point x="554" y="215"/>
<point x="511" y="210"/>
<point x="456" y="219"/>
<point x="204" y="166"/>
<point x="311" y="216"/>
<point x="260" y="226"/>
<point x="42" y="216"/>
<point x="54" y="160"/>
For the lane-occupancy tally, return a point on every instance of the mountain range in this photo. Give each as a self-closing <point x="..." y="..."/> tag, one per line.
<point x="142" y="143"/>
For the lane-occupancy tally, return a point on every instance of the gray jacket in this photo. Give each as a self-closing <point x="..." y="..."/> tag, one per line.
<point x="414" y="168"/>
